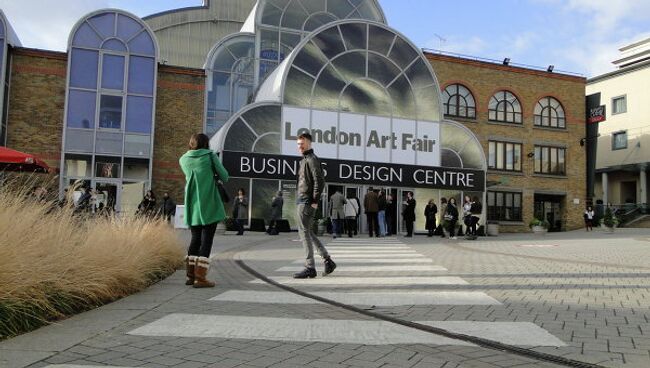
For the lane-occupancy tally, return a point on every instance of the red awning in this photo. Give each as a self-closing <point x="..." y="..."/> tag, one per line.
<point x="11" y="160"/>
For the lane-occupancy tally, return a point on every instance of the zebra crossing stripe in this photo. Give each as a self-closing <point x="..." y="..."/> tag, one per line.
<point x="370" y="251"/>
<point x="336" y="247"/>
<point x="376" y="260"/>
<point x="379" y="298"/>
<point x="380" y="268"/>
<point x="373" y="281"/>
<point x="341" y="331"/>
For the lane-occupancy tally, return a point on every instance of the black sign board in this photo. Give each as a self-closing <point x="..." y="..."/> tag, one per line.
<point x="263" y="166"/>
<point x="596" y="114"/>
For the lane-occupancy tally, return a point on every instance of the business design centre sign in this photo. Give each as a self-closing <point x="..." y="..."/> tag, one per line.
<point x="357" y="137"/>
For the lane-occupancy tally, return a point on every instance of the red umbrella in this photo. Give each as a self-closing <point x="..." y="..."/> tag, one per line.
<point x="11" y="160"/>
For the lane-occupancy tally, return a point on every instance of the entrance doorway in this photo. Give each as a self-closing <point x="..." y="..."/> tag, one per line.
<point x="549" y="208"/>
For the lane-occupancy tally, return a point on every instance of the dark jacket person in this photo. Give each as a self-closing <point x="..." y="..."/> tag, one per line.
<point x="203" y="206"/>
<point x="409" y="214"/>
<point x="311" y="182"/>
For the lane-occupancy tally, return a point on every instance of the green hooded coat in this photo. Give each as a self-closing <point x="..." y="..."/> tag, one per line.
<point x="203" y="205"/>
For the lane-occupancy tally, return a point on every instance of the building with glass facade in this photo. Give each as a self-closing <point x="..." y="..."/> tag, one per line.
<point x="383" y="113"/>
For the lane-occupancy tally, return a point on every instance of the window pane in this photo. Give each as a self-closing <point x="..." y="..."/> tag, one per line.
<point x="136" y="168"/>
<point x="138" y="114"/>
<point x="491" y="155"/>
<point x="104" y="24"/>
<point x="141" y="75"/>
<point x="109" y="142"/>
<point x="110" y="112"/>
<point x="83" y="68"/>
<point x="499" y="196"/>
<point x="538" y="159"/>
<point x="553" y="160"/>
<point x="86" y="37"/>
<point x="517" y="157"/>
<point x="127" y="27"/>
<point x="137" y="145"/>
<point x="142" y="44"/>
<point x="81" y="109"/>
<point x="107" y="167"/>
<point x="545" y="160"/>
<point x="561" y="161"/>
<point x="490" y="198"/>
<point x="510" y="152"/>
<point x="115" y="45"/>
<point x="500" y="156"/>
<point x="77" y="165"/>
<point x="113" y="72"/>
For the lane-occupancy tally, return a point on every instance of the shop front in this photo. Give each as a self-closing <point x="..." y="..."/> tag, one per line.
<point x="374" y="112"/>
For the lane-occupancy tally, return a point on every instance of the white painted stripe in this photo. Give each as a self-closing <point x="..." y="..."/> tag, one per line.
<point x="370" y="251"/>
<point x="336" y="247"/>
<point x="383" y="268"/>
<point x="511" y="333"/>
<point x="371" y="281"/>
<point x="372" y="255"/>
<point x="288" y="329"/>
<point x="377" y="260"/>
<point x="82" y="366"/>
<point x="370" y="242"/>
<point x="380" y="298"/>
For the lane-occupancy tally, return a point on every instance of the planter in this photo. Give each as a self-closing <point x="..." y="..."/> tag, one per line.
<point x="492" y="229"/>
<point x="539" y="230"/>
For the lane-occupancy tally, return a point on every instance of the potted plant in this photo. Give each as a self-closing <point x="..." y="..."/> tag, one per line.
<point x="609" y="221"/>
<point x="322" y="226"/>
<point x="539" y="226"/>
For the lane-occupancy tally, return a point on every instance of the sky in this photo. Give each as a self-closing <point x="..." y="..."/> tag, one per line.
<point x="580" y="36"/>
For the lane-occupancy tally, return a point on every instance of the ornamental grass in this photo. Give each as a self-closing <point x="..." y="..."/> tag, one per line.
<point x="55" y="263"/>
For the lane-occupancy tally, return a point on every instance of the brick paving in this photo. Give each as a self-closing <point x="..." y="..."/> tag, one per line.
<point x="574" y="290"/>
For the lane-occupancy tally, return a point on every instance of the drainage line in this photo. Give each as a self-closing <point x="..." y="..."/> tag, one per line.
<point x="430" y="329"/>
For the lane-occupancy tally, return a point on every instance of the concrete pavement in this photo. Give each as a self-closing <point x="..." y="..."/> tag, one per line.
<point x="580" y="295"/>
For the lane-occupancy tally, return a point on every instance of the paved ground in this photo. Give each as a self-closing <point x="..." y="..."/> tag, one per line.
<point x="583" y="296"/>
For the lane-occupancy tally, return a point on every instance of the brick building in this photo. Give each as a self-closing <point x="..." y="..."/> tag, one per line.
<point x="123" y="135"/>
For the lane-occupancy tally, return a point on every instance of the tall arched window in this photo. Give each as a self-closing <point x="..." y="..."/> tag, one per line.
<point x="230" y="83"/>
<point x="504" y="107"/>
<point x="283" y="23"/>
<point x="549" y="113"/>
<point x="459" y="102"/>
<point x="110" y="103"/>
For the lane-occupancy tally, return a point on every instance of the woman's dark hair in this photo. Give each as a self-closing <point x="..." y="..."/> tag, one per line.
<point x="199" y="141"/>
<point x="243" y="192"/>
<point x="443" y="200"/>
<point x="452" y="198"/>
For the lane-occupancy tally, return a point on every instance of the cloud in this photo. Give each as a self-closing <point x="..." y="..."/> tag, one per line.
<point x="46" y="24"/>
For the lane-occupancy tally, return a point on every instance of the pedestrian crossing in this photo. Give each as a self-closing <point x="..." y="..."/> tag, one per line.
<point x="363" y="279"/>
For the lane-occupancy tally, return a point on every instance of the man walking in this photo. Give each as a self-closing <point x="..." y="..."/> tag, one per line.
<point x="309" y="189"/>
<point x="371" y="205"/>
<point x="337" y="212"/>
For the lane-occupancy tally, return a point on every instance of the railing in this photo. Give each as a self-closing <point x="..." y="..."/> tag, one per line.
<point x="625" y="213"/>
<point x="494" y="61"/>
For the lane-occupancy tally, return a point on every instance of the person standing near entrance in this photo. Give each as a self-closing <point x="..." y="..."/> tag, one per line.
<point x="351" y="212"/>
<point x="371" y="206"/>
<point x="390" y="214"/>
<point x="276" y="213"/>
<point x="589" y="218"/>
<point x="451" y="217"/>
<point x="430" y="212"/>
<point x="381" y="214"/>
<point x="337" y="212"/>
<point x="476" y="209"/>
<point x="409" y="213"/>
<point x="311" y="181"/>
<point x="240" y="211"/>
<point x="203" y="206"/>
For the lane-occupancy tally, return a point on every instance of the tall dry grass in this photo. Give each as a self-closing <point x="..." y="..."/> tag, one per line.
<point x="54" y="263"/>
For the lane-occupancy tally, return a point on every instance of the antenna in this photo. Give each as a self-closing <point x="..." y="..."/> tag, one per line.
<point x="440" y="39"/>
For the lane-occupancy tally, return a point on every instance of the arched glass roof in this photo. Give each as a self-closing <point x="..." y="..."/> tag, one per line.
<point x="230" y="83"/>
<point x="281" y="24"/>
<point x="361" y="67"/>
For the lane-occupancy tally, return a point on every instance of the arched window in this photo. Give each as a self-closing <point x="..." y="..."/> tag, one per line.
<point x="549" y="113"/>
<point x="110" y="103"/>
<point x="459" y="102"/>
<point x="230" y="83"/>
<point x="283" y="23"/>
<point x="504" y="107"/>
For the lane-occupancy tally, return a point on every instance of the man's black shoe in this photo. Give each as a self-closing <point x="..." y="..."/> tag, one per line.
<point x="306" y="273"/>
<point x="329" y="266"/>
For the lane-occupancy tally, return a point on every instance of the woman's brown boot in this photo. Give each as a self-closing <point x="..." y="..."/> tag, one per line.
<point x="190" y="264"/>
<point x="201" y="272"/>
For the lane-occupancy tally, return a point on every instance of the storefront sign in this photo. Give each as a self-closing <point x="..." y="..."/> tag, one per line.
<point x="597" y="114"/>
<point x="280" y="167"/>
<point x="346" y="136"/>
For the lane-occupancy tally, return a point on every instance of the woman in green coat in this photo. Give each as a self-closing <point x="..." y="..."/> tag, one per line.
<point x="203" y="206"/>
